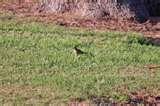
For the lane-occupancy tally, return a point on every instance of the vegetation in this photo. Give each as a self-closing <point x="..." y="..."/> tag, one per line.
<point x="38" y="61"/>
<point x="139" y="10"/>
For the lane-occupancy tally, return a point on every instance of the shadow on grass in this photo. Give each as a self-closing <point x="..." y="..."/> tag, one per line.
<point x="150" y="41"/>
<point x="145" y="41"/>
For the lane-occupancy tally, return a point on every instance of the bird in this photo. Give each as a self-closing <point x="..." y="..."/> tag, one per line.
<point x="79" y="51"/>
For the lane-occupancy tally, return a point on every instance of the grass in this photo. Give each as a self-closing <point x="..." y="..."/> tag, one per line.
<point x="37" y="60"/>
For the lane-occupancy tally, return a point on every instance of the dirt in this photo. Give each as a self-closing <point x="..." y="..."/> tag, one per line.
<point x="26" y="94"/>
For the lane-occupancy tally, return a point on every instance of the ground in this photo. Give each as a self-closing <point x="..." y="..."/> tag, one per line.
<point x="38" y="63"/>
<point x="149" y="28"/>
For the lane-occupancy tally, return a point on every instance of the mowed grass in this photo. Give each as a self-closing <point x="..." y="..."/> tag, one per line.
<point x="39" y="55"/>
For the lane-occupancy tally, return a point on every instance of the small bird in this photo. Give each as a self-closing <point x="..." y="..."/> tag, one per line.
<point x="78" y="51"/>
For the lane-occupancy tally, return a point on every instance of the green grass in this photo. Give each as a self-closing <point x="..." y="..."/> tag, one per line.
<point x="37" y="55"/>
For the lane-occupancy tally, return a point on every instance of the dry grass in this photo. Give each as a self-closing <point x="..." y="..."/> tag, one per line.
<point x="133" y="9"/>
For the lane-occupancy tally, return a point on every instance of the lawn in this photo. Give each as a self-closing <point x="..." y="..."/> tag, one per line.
<point x="38" y="63"/>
